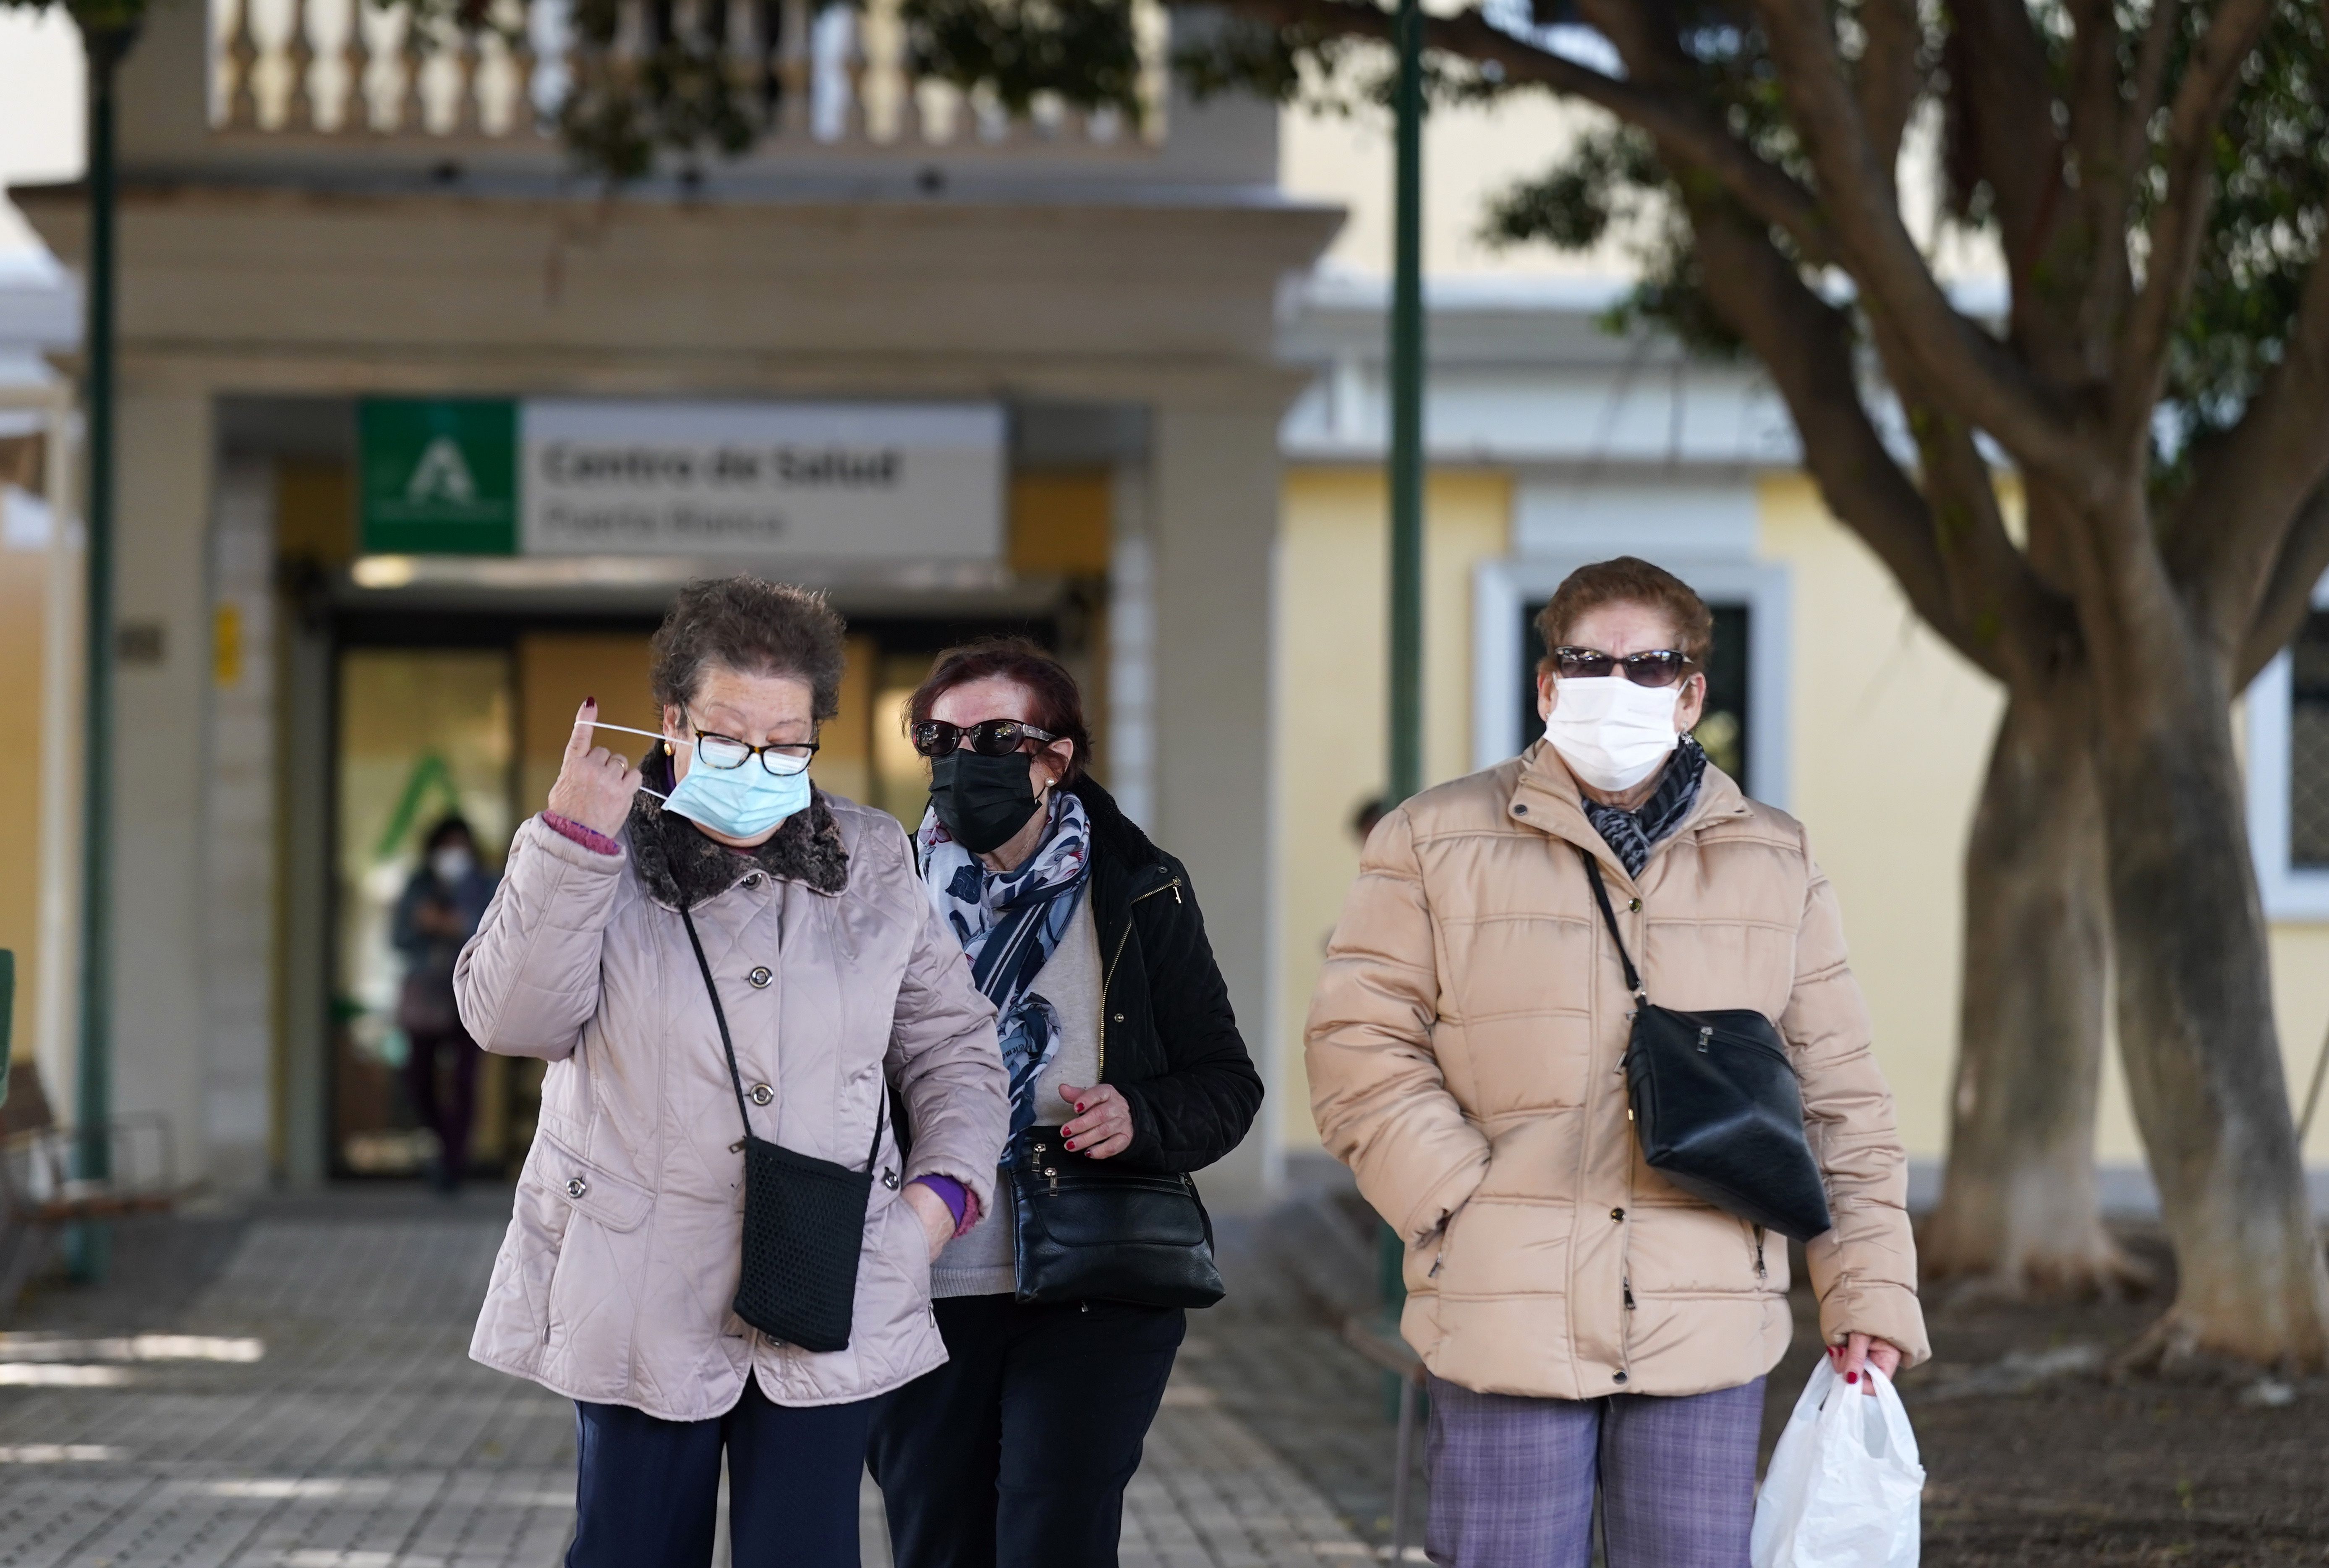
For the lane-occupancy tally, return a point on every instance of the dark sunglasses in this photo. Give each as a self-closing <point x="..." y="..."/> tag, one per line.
<point x="988" y="738"/>
<point x="1657" y="667"/>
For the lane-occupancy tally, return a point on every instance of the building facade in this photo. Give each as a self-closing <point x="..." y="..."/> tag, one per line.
<point x="329" y="232"/>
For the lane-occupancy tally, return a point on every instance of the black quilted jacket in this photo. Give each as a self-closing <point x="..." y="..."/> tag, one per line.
<point x="1169" y="1040"/>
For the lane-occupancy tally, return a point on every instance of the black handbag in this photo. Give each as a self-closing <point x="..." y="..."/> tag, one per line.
<point x="803" y="1221"/>
<point x="1716" y="1105"/>
<point x="1090" y="1231"/>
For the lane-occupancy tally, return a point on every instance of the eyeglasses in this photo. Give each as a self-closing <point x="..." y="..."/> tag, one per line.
<point x="1656" y="667"/>
<point x="988" y="738"/>
<point x="783" y="758"/>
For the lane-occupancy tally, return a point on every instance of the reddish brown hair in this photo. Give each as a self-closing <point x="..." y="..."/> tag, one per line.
<point x="1057" y="702"/>
<point x="1627" y="579"/>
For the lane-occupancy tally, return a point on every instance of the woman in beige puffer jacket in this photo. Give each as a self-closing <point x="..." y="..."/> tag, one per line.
<point x="1464" y="1050"/>
<point x="615" y="1278"/>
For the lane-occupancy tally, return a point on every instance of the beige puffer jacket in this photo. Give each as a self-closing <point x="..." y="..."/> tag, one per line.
<point x="615" y="1278"/>
<point x="1464" y="1046"/>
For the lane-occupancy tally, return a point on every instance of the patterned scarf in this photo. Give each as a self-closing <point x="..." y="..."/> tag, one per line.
<point x="1633" y="833"/>
<point x="1009" y="923"/>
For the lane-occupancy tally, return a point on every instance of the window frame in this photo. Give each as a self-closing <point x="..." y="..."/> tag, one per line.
<point x="1500" y="586"/>
<point x="2289" y="891"/>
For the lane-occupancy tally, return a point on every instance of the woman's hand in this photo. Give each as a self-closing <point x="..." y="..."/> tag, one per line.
<point x="937" y="1219"/>
<point x="1858" y="1353"/>
<point x="1103" y="1123"/>
<point x="594" y="785"/>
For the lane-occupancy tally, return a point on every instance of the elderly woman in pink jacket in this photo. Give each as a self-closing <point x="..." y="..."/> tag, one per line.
<point x="718" y="1244"/>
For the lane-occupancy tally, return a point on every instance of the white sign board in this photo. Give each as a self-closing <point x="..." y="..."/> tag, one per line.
<point x="826" y="482"/>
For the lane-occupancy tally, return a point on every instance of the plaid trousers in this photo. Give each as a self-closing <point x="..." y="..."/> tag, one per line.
<point x="1512" y="1479"/>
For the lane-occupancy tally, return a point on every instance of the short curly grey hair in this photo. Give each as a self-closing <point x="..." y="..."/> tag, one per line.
<point x="752" y="627"/>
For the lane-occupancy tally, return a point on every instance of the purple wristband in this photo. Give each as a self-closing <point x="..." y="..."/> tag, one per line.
<point x="587" y="837"/>
<point x="952" y="1194"/>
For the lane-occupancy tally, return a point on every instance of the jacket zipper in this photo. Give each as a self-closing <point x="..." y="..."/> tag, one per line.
<point x="1108" y="975"/>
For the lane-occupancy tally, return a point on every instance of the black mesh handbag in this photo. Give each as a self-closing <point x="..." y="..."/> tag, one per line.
<point x="803" y="1221"/>
<point x="1716" y="1105"/>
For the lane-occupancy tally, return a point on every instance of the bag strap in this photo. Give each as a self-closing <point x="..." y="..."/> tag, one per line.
<point x="728" y="1044"/>
<point x="719" y="1015"/>
<point x="1609" y="918"/>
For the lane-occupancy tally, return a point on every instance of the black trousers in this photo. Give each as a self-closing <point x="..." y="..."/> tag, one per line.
<point x="647" y="1491"/>
<point x="1015" y="1454"/>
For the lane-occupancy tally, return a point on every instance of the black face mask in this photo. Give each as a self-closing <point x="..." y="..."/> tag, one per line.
<point x="982" y="801"/>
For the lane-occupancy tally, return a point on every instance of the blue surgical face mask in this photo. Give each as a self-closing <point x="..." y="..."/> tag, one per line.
<point x="742" y="802"/>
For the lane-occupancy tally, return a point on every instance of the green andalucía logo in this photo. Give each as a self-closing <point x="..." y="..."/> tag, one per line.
<point x="439" y="476"/>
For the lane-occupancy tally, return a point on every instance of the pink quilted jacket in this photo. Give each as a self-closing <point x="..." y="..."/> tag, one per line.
<point x="615" y="1278"/>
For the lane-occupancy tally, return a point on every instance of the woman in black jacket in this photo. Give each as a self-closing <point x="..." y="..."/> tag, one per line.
<point x="1116" y="1029"/>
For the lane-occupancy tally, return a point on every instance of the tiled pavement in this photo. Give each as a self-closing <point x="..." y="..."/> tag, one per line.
<point x="313" y="1407"/>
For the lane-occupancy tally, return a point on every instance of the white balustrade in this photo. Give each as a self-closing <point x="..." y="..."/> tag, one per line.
<point x="833" y="76"/>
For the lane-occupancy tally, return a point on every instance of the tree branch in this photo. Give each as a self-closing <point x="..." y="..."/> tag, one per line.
<point x="1672" y="119"/>
<point x="2180" y="226"/>
<point x="2104" y="276"/>
<point x="1964" y="367"/>
<point x="2233" y="525"/>
<point x="2001" y="72"/>
<point x="2150" y="81"/>
<point x="2288" y="596"/>
<point x="1806" y="345"/>
<point x="1887" y="81"/>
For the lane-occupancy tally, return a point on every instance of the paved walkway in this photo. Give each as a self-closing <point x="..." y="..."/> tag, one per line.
<point x="313" y="1407"/>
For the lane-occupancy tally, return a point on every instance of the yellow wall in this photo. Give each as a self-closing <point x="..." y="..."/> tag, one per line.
<point x="23" y="580"/>
<point x="1333" y="550"/>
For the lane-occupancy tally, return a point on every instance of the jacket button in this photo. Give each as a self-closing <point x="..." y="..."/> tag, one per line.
<point x="1119" y="1017"/>
<point x="1617" y="1215"/>
<point x="1617" y="1377"/>
<point x="760" y="977"/>
<point x="1633" y="906"/>
<point x="753" y="880"/>
<point x="1520" y="811"/>
<point x="576" y="1187"/>
<point x="760" y="1094"/>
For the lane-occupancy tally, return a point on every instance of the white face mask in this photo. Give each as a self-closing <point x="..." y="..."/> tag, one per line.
<point x="1613" y="734"/>
<point x="451" y="864"/>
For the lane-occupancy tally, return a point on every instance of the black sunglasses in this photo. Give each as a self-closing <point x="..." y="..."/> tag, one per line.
<point x="988" y="738"/>
<point x="1657" y="667"/>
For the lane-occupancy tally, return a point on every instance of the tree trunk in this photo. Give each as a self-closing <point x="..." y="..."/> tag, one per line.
<point x="2195" y="1007"/>
<point x="2018" y="1214"/>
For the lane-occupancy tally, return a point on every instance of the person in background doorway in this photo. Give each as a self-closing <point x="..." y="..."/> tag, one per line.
<point x="1586" y="1324"/>
<point x="440" y="910"/>
<point x="1116" y="1033"/>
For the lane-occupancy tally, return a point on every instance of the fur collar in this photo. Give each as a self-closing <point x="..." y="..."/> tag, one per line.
<point x="683" y="868"/>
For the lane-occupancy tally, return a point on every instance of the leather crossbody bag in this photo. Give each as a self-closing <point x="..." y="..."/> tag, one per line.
<point x="803" y="1221"/>
<point x="1716" y="1104"/>
<point x="1091" y="1231"/>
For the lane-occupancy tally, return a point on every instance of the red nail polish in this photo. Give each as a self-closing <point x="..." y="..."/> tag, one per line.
<point x="1851" y="1377"/>
<point x="1071" y="1143"/>
<point x="1080" y="1105"/>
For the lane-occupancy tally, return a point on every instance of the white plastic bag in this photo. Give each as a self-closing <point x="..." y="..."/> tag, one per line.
<point x="1845" y="1481"/>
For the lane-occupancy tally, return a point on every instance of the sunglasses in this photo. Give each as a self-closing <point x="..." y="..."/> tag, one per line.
<point x="1656" y="667"/>
<point x="936" y="738"/>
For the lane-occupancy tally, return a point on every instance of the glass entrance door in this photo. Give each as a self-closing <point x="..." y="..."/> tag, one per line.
<point x="424" y="735"/>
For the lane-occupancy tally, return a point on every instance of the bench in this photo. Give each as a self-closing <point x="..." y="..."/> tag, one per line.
<point x="39" y="1192"/>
